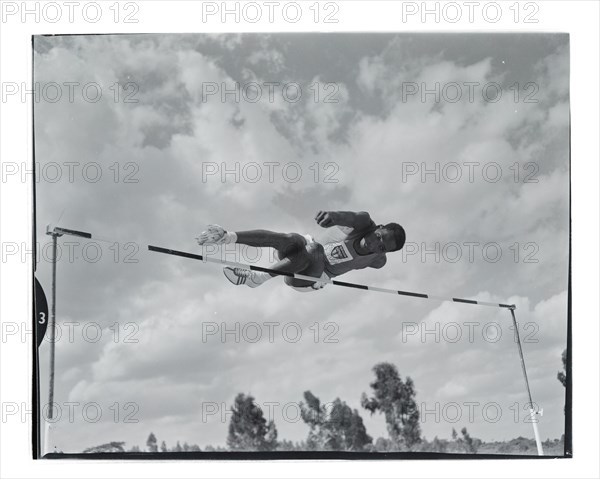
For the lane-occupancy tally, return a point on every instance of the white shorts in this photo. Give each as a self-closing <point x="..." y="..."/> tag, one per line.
<point x="313" y="287"/>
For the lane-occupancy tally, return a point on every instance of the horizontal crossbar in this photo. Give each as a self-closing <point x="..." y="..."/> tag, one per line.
<point x="205" y="259"/>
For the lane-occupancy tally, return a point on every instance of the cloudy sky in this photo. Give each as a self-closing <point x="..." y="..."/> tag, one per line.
<point x="361" y="137"/>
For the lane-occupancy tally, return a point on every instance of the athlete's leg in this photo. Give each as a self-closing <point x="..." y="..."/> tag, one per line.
<point x="286" y="244"/>
<point x="309" y="262"/>
<point x="315" y="267"/>
<point x="294" y="253"/>
<point x="291" y="250"/>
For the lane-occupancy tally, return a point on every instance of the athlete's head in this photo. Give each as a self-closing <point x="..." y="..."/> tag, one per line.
<point x="385" y="239"/>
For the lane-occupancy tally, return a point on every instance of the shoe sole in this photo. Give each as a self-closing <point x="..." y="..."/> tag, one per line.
<point x="234" y="278"/>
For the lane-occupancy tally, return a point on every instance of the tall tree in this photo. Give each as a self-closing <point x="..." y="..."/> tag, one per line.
<point x="337" y="428"/>
<point x="562" y="375"/>
<point x="248" y="429"/>
<point x="470" y="444"/>
<point x="163" y="447"/>
<point x="396" y="400"/>
<point x="151" y="443"/>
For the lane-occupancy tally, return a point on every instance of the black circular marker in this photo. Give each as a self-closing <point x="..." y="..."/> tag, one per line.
<point x="41" y="312"/>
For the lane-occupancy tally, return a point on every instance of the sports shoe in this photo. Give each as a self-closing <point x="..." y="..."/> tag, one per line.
<point x="239" y="276"/>
<point x="215" y="234"/>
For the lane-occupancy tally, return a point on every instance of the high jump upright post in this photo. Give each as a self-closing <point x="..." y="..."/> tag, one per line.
<point x="55" y="232"/>
<point x="532" y="412"/>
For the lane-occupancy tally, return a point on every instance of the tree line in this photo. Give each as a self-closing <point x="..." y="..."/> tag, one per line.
<point x="338" y="427"/>
<point x="332" y="427"/>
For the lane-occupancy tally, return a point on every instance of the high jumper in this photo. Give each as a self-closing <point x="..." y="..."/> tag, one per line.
<point x="352" y="241"/>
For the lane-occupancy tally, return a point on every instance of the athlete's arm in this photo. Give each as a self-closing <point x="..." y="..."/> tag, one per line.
<point x="353" y="220"/>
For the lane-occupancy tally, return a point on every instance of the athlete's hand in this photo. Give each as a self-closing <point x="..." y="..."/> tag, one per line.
<point x="326" y="219"/>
